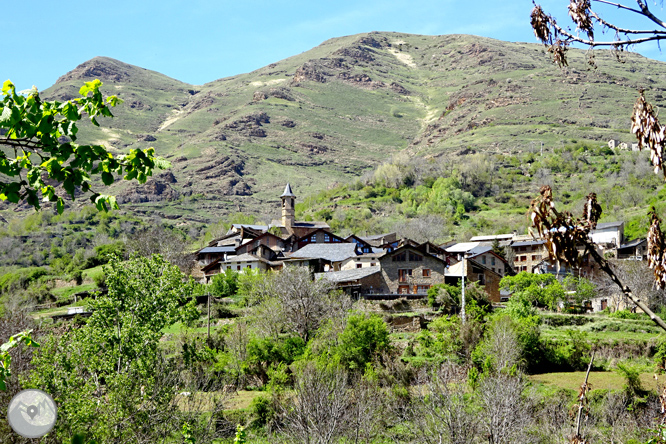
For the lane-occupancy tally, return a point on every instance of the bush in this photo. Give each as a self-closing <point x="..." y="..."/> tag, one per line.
<point x="363" y="338"/>
<point x="224" y="284"/>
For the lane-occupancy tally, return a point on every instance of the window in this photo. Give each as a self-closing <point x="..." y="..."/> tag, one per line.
<point x="403" y="289"/>
<point x="249" y="266"/>
<point x="238" y="267"/>
<point x="313" y="238"/>
<point x="535" y="257"/>
<point x="523" y="258"/>
<point x="403" y="273"/>
<point x="372" y="264"/>
<point x="483" y="260"/>
<point x="402" y="257"/>
<point x="359" y="265"/>
<point x="426" y="272"/>
<point x="422" y="289"/>
<point x="413" y="257"/>
<point x="327" y="237"/>
<point x="492" y="260"/>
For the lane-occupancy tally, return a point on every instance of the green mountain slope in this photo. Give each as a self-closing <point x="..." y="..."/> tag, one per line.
<point x="330" y="114"/>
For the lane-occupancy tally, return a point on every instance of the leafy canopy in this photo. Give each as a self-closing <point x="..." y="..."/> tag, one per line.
<point x="38" y="149"/>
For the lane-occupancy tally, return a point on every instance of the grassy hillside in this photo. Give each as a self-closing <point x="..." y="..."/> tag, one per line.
<point x="330" y="114"/>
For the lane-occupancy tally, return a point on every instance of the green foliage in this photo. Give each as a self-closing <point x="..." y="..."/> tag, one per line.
<point x="21" y="278"/>
<point x="626" y="314"/>
<point x="542" y="290"/>
<point x="240" y="435"/>
<point x="224" y="284"/>
<point x="264" y="354"/>
<point x="115" y="357"/>
<point x="33" y="128"/>
<point x="6" y="359"/>
<point x="104" y="253"/>
<point x="363" y="340"/>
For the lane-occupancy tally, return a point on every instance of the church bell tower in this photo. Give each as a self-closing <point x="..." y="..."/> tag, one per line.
<point x="288" y="210"/>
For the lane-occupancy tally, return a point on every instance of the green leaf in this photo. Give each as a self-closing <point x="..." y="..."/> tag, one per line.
<point x="60" y="205"/>
<point x="107" y="178"/>
<point x="7" y="87"/>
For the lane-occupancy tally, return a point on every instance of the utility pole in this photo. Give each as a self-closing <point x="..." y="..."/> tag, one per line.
<point x="209" y="317"/>
<point x="462" y="309"/>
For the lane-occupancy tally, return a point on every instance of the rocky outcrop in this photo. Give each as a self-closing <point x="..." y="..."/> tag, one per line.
<point x="154" y="190"/>
<point x="356" y="53"/>
<point x="278" y="93"/>
<point x="96" y="68"/>
<point x="309" y="71"/>
<point x="398" y="88"/>
<point x="249" y="125"/>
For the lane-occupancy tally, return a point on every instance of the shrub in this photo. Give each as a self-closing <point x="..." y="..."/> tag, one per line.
<point x="363" y="338"/>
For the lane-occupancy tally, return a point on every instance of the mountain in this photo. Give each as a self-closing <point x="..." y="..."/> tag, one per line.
<point x="330" y="114"/>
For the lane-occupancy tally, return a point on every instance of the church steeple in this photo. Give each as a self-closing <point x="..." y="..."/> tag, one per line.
<point x="288" y="207"/>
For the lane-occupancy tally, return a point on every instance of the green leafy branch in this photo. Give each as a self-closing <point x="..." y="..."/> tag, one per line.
<point x="37" y="148"/>
<point x="6" y="359"/>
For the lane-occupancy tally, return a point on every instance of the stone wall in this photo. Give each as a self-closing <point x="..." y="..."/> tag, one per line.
<point x="391" y="274"/>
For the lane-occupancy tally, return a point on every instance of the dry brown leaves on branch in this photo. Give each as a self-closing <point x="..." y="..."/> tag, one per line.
<point x="579" y="11"/>
<point x="559" y="51"/>
<point x="655" y="254"/>
<point x="562" y="232"/>
<point x="541" y="24"/>
<point x="648" y="130"/>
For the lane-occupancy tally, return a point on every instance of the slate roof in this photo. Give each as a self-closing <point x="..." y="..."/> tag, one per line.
<point x="633" y="243"/>
<point x="252" y="227"/>
<point x="491" y="237"/>
<point x="218" y="249"/>
<point x="480" y="250"/>
<point x="462" y="247"/>
<point x="348" y="275"/>
<point x="603" y="225"/>
<point x="288" y="192"/>
<point x="246" y="257"/>
<point x="528" y="243"/>
<point x="334" y="252"/>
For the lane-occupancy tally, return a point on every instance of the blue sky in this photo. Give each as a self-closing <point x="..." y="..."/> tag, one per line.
<point x="198" y="41"/>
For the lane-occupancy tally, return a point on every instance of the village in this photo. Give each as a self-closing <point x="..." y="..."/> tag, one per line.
<point x="384" y="267"/>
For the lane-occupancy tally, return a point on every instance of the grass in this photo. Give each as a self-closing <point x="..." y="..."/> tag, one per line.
<point x="598" y="380"/>
<point x="66" y="292"/>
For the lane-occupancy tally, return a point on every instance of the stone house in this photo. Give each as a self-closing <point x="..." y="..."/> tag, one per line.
<point x="408" y="270"/>
<point x="527" y="254"/>
<point x="635" y="250"/>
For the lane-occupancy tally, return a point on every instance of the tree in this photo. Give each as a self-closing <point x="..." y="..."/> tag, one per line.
<point x="543" y="290"/>
<point x="109" y="377"/>
<point x="37" y="149"/>
<point x="441" y="412"/>
<point x="296" y="302"/>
